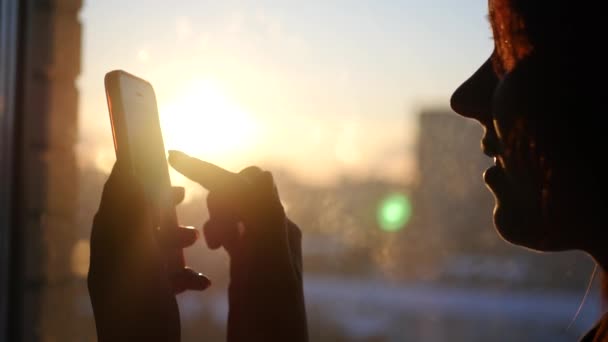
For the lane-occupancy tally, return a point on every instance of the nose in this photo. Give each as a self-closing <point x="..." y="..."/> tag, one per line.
<point x="473" y="99"/>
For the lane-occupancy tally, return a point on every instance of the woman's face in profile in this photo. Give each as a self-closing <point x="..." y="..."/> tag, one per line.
<point x="513" y="96"/>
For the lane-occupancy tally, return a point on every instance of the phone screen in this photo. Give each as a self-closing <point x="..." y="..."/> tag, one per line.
<point x="139" y="142"/>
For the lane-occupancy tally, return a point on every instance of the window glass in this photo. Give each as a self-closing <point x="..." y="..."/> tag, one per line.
<point x="347" y="103"/>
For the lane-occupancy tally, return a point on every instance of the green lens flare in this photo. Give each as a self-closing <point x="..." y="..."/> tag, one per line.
<point x="394" y="212"/>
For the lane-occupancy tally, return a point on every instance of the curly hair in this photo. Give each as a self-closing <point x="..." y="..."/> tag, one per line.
<point x="510" y="35"/>
<point x="521" y="26"/>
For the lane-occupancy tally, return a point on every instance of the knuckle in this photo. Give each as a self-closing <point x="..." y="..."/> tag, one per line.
<point x="251" y="172"/>
<point x="264" y="181"/>
<point x="212" y="237"/>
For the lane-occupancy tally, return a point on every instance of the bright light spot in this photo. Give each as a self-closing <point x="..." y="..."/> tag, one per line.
<point x="80" y="258"/>
<point x="143" y="56"/>
<point x="394" y="212"/>
<point x="203" y="121"/>
<point x="316" y="135"/>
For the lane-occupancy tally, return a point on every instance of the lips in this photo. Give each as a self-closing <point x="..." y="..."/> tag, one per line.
<point x="492" y="175"/>
<point x="491" y="148"/>
<point x="495" y="177"/>
<point x="496" y="180"/>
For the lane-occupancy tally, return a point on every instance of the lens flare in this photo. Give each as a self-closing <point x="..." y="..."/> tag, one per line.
<point x="394" y="212"/>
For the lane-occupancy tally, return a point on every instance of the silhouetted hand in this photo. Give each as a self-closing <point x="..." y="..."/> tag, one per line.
<point x="246" y="217"/>
<point x="131" y="290"/>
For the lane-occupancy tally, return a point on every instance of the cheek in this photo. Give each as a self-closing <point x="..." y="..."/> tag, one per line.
<point x="521" y="154"/>
<point x="516" y="121"/>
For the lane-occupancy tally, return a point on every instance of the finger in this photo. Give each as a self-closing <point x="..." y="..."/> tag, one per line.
<point x="264" y="203"/>
<point x="178" y="193"/>
<point x="220" y="233"/>
<point x="220" y="229"/>
<point x="188" y="279"/>
<point x="259" y="179"/>
<point x="210" y="176"/>
<point x="179" y="237"/>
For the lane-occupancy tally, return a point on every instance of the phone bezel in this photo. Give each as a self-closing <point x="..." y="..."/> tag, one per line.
<point x="117" y="115"/>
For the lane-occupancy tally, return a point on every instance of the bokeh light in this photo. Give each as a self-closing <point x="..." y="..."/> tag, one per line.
<point x="394" y="212"/>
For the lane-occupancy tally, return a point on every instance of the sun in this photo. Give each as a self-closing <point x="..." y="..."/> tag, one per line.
<point x="204" y="122"/>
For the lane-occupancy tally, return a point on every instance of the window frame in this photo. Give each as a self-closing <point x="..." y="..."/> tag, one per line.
<point x="11" y="20"/>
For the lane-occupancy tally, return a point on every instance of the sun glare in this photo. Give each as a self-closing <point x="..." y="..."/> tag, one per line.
<point x="204" y="122"/>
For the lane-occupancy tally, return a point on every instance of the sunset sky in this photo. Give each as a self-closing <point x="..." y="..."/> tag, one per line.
<point x="318" y="88"/>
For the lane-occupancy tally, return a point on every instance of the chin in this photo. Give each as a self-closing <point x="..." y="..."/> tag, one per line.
<point x="528" y="229"/>
<point x="519" y="218"/>
<point x="516" y="228"/>
<point x="516" y="220"/>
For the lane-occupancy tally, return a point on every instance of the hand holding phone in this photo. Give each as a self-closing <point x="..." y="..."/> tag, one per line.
<point x="136" y="265"/>
<point x="139" y="147"/>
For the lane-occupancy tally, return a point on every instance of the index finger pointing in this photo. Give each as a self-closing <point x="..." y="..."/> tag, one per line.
<point x="210" y="176"/>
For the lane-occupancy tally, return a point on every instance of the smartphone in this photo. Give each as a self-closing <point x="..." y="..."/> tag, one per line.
<point x="138" y="142"/>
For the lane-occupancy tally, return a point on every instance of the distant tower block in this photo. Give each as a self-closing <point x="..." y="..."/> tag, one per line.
<point x="453" y="208"/>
